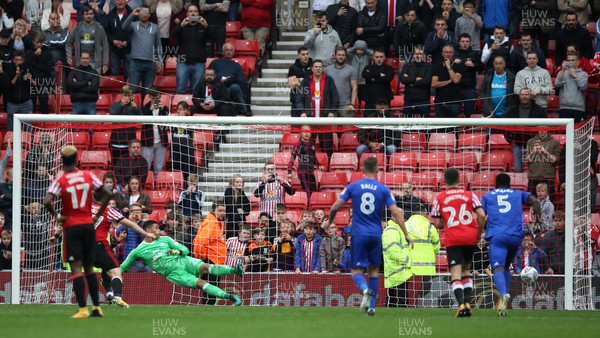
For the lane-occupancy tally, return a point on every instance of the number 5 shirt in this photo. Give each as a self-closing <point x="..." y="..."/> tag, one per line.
<point x="455" y="207"/>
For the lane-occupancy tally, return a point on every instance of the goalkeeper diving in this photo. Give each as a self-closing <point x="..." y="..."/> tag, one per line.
<point x="170" y="259"/>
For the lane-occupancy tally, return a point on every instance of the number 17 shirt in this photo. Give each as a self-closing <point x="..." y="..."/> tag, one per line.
<point x="455" y="207"/>
<point x="76" y="189"/>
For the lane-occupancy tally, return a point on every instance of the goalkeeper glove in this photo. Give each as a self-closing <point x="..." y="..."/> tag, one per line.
<point x="174" y="252"/>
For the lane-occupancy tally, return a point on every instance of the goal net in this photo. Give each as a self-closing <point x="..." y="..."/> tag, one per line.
<point x="186" y="165"/>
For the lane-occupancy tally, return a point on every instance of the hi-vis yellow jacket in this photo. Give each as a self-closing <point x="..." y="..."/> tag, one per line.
<point x="396" y="256"/>
<point x="427" y="244"/>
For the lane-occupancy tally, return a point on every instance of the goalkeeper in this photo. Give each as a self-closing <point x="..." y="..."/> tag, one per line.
<point x="170" y="259"/>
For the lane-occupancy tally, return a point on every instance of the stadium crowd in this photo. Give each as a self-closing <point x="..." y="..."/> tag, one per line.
<point x="359" y="59"/>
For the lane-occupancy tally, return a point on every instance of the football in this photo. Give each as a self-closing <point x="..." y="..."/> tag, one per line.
<point x="529" y="275"/>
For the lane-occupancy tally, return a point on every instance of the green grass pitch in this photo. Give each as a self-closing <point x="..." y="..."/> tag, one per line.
<point x="25" y="321"/>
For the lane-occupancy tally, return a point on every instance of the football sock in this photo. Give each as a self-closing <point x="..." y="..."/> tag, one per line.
<point x="360" y="281"/>
<point x="220" y="270"/>
<point x="79" y="288"/>
<point x="215" y="291"/>
<point x="117" y="285"/>
<point x="500" y="281"/>
<point x="92" y="281"/>
<point x="457" y="288"/>
<point x="507" y="279"/>
<point x="106" y="281"/>
<point x="373" y="285"/>
<point x="467" y="283"/>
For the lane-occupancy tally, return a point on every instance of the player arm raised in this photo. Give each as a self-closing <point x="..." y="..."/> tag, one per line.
<point x="332" y="212"/>
<point x="537" y="209"/>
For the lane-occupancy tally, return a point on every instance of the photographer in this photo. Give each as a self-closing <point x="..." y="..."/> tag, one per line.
<point x="119" y="138"/>
<point x="322" y="40"/>
<point x="191" y="35"/>
<point x="271" y="190"/>
<point x="573" y="82"/>
<point x="154" y="137"/>
<point x="530" y="255"/>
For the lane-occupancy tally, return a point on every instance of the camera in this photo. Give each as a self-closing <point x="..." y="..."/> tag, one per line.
<point x="318" y="24"/>
<point x="144" y="11"/>
<point x="194" y="18"/>
<point x="497" y="42"/>
<point x="271" y="177"/>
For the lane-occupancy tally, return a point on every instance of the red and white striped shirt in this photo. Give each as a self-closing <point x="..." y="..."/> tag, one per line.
<point x="235" y="251"/>
<point x="103" y="223"/>
<point x="272" y="194"/>
<point x="308" y="255"/>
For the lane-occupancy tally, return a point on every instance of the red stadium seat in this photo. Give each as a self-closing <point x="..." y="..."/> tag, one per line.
<point x="149" y="184"/>
<point x="65" y="105"/>
<point x="248" y="64"/>
<point x="169" y="179"/>
<point x="397" y="105"/>
<point x="498" y="142"/>
<point x="344" y="161"/>
<point x="342" y="218"/>
<point x="208" y="61"/>
<point x="297" y="201"/>
<point x="494" y="161"/>
<point x="165" y="83"/>
<point x="178" y="98"/>
<point x="203" y="139"/>
<point x="441" y="263"/>
<point x="553" y="104"/>
<point x="170" y="66"/>
<point x="103" y="104"/>
<point x="81" y="139"/>
<point x="561" y="138"/>
<point x="289" y="141"/>
<point x="357" y="175"/>
<point x="394" y="180"/>
<point x="333" y="181"/>
<point x="252" y="218"/>
<point x="433" y="161"/>
<point x="349" y="142"/>
<point x="282" y="159"/>
<point x="232" y="29"/>
<point x="381" y="159"/>
<point x="198" y="157"/>
<point x="464" y="161"/>
<point x="425" y="180"/>
<point x="112" y="84"/>
<point x="25" y="140"/>
<point x="395" y="86"/>
<point x="157" y="215"/>
<point x="3" y="120"/>
<point x="101" y="140"/>
<point x="323" y="160"/>
<point x="483" y="180"/>
<point x="414" y="141"/>
<point x="442" y="141"/>
<point x="160" y="198"/>
<point x="472" y="142"/>
<point x="94" y="159"/>
<point x="551" y="67"/>
<point x="394" y="63"/>
<point x="247" y="48"/>
<point x="405" y="160"/>
<point x="322" y="200"/>
<point x="518" y="181"/>
<point x="165" y="100"/>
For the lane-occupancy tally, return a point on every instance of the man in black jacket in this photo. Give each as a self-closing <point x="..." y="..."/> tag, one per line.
<point x="416" y="77"/>
<point x="499" y="44"/>
<point x="573" y="33"/>
<point x="133" y="165"/>
<point x="42" y="70"/>
<point x="525" y="108"/>
<point x="18" y="81"/>
<point x="343" y="19"/>
<point x="212" y="96"/>
<point x="154" y="137"/>
<point x="372" y="28"/>
<point x="84" y="84"/>
<point x="408" y="34"/>
<point x="378" y="77"/>
<point x="120" y="137"/>
<point x="191" y="35"/>
<point x="301" y="69"/>
<point x="119" y="40"/>
<point x="518" y="57"/>
<point x="471" y="61"/>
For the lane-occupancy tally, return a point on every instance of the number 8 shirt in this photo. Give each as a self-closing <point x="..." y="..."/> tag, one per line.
<point x="76" y="189"/>
<point x="455" y="207"/>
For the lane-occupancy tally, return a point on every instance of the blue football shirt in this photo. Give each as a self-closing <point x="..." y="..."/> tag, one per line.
<point x="504" y="208"/>
<point x="368" y="197"/>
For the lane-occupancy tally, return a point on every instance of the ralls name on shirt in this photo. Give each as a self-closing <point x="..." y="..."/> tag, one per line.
<point x="368" y="186"/>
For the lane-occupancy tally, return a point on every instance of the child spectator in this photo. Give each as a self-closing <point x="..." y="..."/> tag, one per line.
<point x="191" y="199"/>
<point x="307" y="217"/>
<point x="547" y="207"/>
<point x="306" y="153"/>
<point x="167" y="225"/>
<point x="331" y="250"/>
<point x="530" y="255"/>
<point x="344" y="263"/>
<point x="236" y="246"/>
<point x="1" y="221"/>
<point x="553" y="244"/>
<point x="259" y="251"/>
<point x="481" y="258"/>
<point x="320" y="217"/>
<point x="307" y="251"/>
<point x="196" y="222"/>
<point x="6" y="250"/>
<point x="183" y="233"/>
<point x="595" y="235"/>
<point x="284" y="248"/>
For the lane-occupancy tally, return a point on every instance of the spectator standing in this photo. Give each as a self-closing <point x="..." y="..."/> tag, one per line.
<point x="84" y="86"/>
<point x="436" y="41"/>
<point x="211" y="96"/>
<point x="470" y="60"/>
<point x="541" y="193"/>
<point x="579" y="7"/>
<point x="34" y="13"/>
<point x="498" y="45"/>
<point x="18" y="81"/>
<point x="232" y="75"/>
<point x="322" y="40"/>
<point x="119" y="39"/>
<point x="130" y="239"/>
<point x="378" y="78"/>
<point x="182" y="145"/>
<point x="154" y="137"/>
<point x="497" y="88"/>
<point x="470" y="22"/>
<point x="416" y="77"/>
<point x="236" y="246"/>
<point x="271" y="190"/>
<point x="215" y="13"/>
<point x="6" y="250"/>
<point x="42" y="71"/>
<point x="14" y="8"/>
<point x="301" y="69"/>
<point x="536" y="78"/>
<point x="256" y="21"/>
<point x="132" y="165"/>
<point x="553" y="243"/>
<point x="6" y="22"/>
<point x="146" y="56"/>
<point x="56" y="39"/>
<point x="346" y="82"/>
<point x="133" y="195"/>
<point x="572" y="82"/>
<point x="191" y="35"/>
<point x="64" y="17"/>
<point x="88" y="36"/>
<point x="6" y="199"/>
<point x="331" y="250"/>
<point x="372" y="25"/>
<point x="518" y="57"/>
<point x="191" y="199"/>
<point x="35" y="235"/>
<point x="543" y="151"/>
<point x="21" y="40"/>
<point x="447" y="11"/>
<point x="359" y="56"/>
<point x="307" y="258"/>
<point x="445" y="79"/>
<point x="284" y="248"/>
<point x="305" y="152"/>
<point x="237" y="205"/>
<point x="494" y="13"/>
<point x="166" y="14"/>
<point x="408" y="34"/>
<point x="259" y="252"/>
<point x="572" y="33"/>
<point x="343" y="18"/>
<point x="120" y="138"/>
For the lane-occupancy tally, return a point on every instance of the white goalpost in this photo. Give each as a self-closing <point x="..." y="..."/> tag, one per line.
<point x="280" y="288"/>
